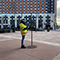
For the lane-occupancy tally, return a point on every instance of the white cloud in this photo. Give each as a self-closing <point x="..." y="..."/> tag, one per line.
<point x="58" y="9"/>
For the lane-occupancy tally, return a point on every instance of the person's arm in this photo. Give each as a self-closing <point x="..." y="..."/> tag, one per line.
<point x="25" y="28"/>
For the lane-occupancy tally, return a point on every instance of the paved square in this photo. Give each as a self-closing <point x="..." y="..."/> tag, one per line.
<point x="48" y="46"/>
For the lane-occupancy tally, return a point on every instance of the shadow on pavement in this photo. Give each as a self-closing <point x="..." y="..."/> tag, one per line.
<point x="31" y="47"/>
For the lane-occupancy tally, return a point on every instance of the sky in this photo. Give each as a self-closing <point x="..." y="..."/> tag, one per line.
<point x="58" y="12"/>
<point x="58" y="9"/>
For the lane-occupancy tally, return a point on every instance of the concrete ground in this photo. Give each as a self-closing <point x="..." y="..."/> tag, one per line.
<point x="47" y="46"/>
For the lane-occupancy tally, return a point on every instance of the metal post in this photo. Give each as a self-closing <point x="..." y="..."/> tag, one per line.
<point x="32" y="46"/>
<point x="31" y="32"/>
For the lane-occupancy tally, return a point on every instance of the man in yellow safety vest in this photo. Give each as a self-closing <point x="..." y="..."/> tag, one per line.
<point x="23" y="29"/>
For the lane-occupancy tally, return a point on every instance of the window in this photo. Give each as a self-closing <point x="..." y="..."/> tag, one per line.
<point x="46" y="8"/>
<point x="38" y="12"/>
<point x="20" y="0"/>
<point x="13" y="9"/>
<point x="35" y="9"/>
<point x="51" y="12"/>
<point x="20" y="12"/>
<point x="51" y="6"/>
<point x="28" y="9"/>
<point x="51" y="9"/>
<point x="46" y="12"/>
<point x="20" y="3"/>
<point x="0" y="0"/>
<point x="31" y="11"/>
<point x="42" y="2"/>
<point x="16" y="3"/>
<point x="17" y="12"/>
<point x="9" y="3"/>
<point x="34" y="0"/>
<point x="31" y="2"/>
<point x="20" y="6"/>
<point x="42" y="8"/>
<point x="6" y="3"/>
<point x="42" y="5"/>
<point x="31" y="5"/>
<point x="16" y="6"/>
<point x="35" y="3"/>
<point x="7" y="12"/>
<point x="51" y="3"/>
<point x="16" y="9"/>
<point x="42" y="11"/>
<point x="6" y="9"/>
<point x="3" y="12"/>
<point x="9" y="0"/>
<point x="31" y="8"/>
<point x="51" y="0"/>
<point x="38" y="8"/>
<point x="38" y="2"/>
<point x="6" y="0"/>
<point x="20" y="9"/>
<point x="38" y="5"/>
<point x="3" y="3"/>
<point x="23" y="0"/>
<point x="27" y="5"/>
<point x="24" y="5"/>
<point x="28" y="12"/>
<point x="24" y="12"/>
<point x="3" y="0"/>
<point x="0" y="3"/>
<point x="16" y="0"/>
<point x="13" y="0"/>
<point x="10" y="11"/>
<point x="14" y="12"/>
<point x="46" y="5"/>
<point x="24" y="8"/>
<point x="6" y="6"/>
<point x="27" y="0"/>
<point x="35" y="6"/>
<point x="46" y="2"/>
<point x="3" y="6"/>
<point x="3" y="9"/>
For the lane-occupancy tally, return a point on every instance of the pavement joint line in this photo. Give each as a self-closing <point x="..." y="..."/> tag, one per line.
<point x="38" y="41"/>
<point x="57" y="57"/>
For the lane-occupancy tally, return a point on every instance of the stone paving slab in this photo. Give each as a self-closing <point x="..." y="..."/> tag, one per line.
<point x="48" y="46"/>
<point x="10" y="50"/>
<point x="57" y="57"/>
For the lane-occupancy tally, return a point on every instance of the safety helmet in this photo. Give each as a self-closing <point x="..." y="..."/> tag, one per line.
<point x="23" y="19"/>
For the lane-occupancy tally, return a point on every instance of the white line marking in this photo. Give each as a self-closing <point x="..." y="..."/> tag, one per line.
<point x="38" y="41"/>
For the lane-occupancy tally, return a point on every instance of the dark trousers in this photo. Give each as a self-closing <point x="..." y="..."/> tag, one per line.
<point x="22" y="41"/>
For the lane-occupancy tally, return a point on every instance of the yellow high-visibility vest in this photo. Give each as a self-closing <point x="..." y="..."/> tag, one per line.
<point x="22" y="26"/>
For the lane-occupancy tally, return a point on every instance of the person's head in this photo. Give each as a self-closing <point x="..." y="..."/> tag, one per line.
<point x="22" y="19"/>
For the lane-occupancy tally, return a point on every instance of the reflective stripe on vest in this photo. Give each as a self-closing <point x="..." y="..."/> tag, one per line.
<point x="22" y="26"/>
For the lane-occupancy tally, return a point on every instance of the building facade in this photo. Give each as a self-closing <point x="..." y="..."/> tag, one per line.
<point x="42" y="12"/>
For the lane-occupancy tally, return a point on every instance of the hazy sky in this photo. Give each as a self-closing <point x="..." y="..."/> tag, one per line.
<point x="58" y="9"/>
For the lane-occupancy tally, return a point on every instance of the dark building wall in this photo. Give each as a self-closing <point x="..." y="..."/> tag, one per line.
<point x="50" y="6"/>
